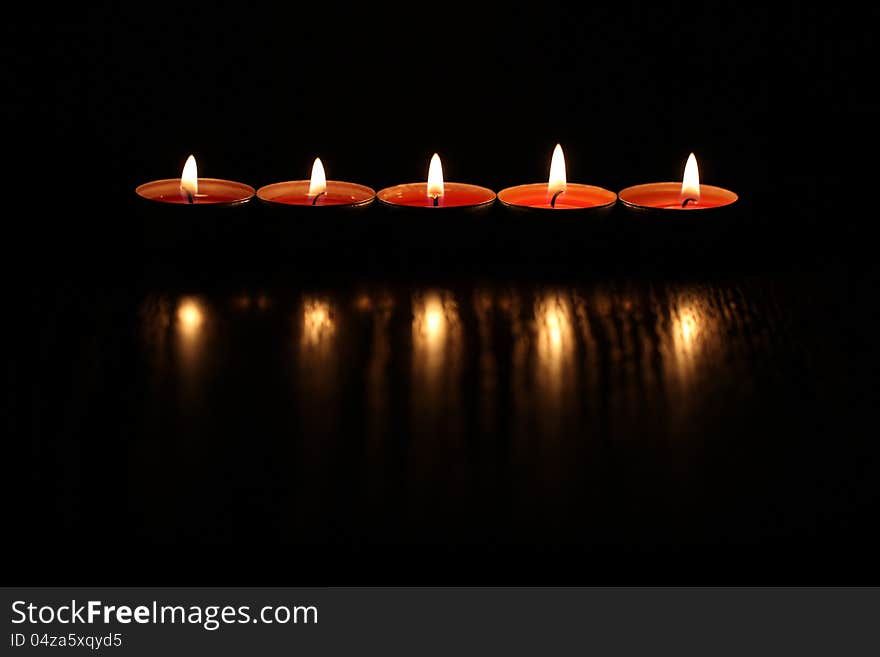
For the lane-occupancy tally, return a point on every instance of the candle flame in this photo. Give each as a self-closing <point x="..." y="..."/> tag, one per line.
<point x="435" y="178"/>
<point x="189" y="179"/>
<point x="690" y="185"/>
<point x="318" y="183"/>
<point x="557" y="172"/>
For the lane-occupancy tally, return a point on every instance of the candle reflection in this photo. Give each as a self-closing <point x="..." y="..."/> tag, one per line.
<point x="435" y="331"/>
<point x="318" y="361"/>
<point x="436" y="397"/>
<point x="545" y="403"/>
<point x="694" y="356"/>
<point x="420" y="409"/>
<point x="190" y="317"/>
<point x="686" y="330"/>
<point x="317" y="386"/>
<point x="556" y="371"/>
<point x="318" y="326"/>
<point x="554" y="337"/>
<point x="691" y="331"/>
<point x="190" y="326"/>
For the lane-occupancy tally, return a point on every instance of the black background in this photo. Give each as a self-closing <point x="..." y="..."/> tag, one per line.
<point x="106" y="98"/>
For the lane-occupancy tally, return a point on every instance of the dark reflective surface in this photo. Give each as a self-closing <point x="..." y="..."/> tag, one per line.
<point x="643" y="430"/>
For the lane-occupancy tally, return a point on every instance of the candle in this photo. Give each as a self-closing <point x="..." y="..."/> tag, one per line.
<point x="293" y="226"/>
<point x="189" y="189"/>
<point x="557" y="193"/>
<point x="687" y="196"/>
<point x="316" y="192"/>
<point x="437" y="193"/>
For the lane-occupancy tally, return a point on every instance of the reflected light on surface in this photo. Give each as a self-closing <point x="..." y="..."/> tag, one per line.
<point x="434" y="327"/>
<point x="550" y="392"/>
<point x="429" y="321"/>
<point x="190" y="317"/>
<point x="434" y="321"/>
<point x="686" y="330"/>
<point x="693" y="344"/>
<point x="693" y="336"/>
<point x="318" y="324"/>
<point x="554" y="345"/>
<point x="435" y="392"/>
<point x="555" y="332"/>
<point x="554" y="327"/>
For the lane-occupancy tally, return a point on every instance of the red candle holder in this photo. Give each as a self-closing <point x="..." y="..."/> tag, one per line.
<point x="688" y="220"/>
<point x="432" y="220"/>
<point x="213" y="192"/>
<point x="191" y="212"/>
<point x="317" y="192"/>
<point x="457" y="196"/>
<point x="681" y="198"/>
<point x="339" y="195"/>
<point x="558" y="195"/>
<point x="436" y="194"/>
<point x="582" y="199"/>
<point x="555" y="220"/>
<point x="189" y="189"/>
<point x="666" y="197"/>
<point x="318" y="216"/>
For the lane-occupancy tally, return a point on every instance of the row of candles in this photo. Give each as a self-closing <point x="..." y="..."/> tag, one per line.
<point x="557" y="194"/>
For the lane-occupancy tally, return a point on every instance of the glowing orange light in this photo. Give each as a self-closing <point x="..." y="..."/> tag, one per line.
<point x="318" y="325"/>
<point x="190" y="316"/>
<point x="433" y="320"/>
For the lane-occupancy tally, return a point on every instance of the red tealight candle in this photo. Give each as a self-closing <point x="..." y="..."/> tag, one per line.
<point x="316" y="192"/>
<point x="436" y="193"/>
<point x="189" y="189"/>
<point x="686" y="196"/>
<point x="557" y="193"/>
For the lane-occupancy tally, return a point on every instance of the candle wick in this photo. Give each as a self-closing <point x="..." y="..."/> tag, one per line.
<point x="553" y="200"/>
<point x="317" y="196"/>
<point x="189" y="197"/>
<point x="687" y="200"/>
<point x="436" y="199"/>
